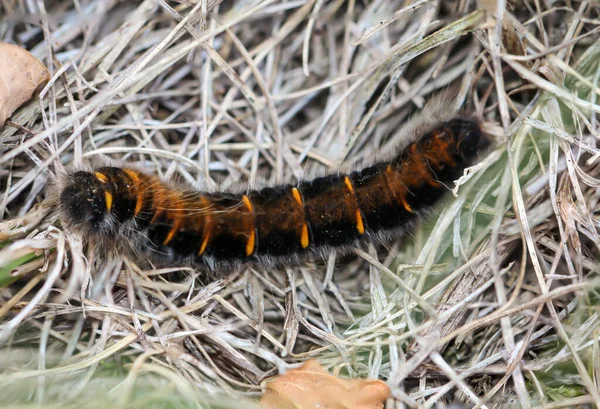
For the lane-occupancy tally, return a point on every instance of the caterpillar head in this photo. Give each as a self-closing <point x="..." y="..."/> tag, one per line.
<point x="83" y="201"/>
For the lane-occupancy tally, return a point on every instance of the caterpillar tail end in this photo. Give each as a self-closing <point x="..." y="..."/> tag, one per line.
<point x="471" y="138"/>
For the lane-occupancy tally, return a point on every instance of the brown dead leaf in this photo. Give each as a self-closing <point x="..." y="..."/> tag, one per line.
<point x="20" y="75"/>
<point x="311" y="386"/>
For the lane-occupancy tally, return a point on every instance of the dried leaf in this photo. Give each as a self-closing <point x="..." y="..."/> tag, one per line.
<point x="20" y="75"/>
<point x="311" y="386"/>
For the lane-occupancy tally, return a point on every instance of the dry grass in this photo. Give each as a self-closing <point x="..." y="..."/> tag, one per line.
<point x="491" y="300"/>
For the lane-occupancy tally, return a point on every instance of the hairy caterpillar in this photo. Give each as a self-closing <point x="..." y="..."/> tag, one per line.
<point x="124" y="207"/>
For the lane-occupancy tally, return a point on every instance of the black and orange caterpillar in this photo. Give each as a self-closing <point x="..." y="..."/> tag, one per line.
<point x="120" y="205"/>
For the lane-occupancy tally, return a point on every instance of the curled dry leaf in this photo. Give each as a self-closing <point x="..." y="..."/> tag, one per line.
<point x="311" y="386"/>
<point x="20" y="75"/>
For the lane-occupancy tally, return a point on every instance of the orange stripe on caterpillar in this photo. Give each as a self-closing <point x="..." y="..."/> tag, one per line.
<point x="176" y="224"/>
<point x="101" y="177"/>
<point x="158" y="199"/>
<point x="304" y="240"/>
<point x="174" y="213"/>
<point x="348" y="184"/>
<point x="390" y="174"/>
<point x="206" y="231"/>
<point x="252" y="236"/>
<point x="297" y="196"/>
<point x="139" y="193"/>
<point x="359" y="221"/>
<point x="304" y="237"/>
<point x="108" y="197"/>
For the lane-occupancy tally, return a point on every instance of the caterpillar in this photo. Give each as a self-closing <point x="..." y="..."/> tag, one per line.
<point x="121" y="206"/>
